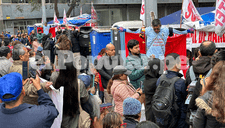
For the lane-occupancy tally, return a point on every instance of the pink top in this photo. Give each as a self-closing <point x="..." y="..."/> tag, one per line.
<point x="35" y="45"/>
<point x="120" y="91"/>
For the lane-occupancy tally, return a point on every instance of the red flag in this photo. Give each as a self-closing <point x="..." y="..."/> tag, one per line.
<point x="52" y="31"/>
<point x="178" y="45"/>
<point x="40" y="28"/>
<point x="94" y="16"/>
<point x="130" y="36"/>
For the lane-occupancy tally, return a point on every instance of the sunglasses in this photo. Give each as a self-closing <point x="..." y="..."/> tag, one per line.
<point x="156" y="28"/>
<point x="124" y="125"/>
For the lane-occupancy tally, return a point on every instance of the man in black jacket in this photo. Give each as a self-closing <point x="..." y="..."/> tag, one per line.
<point x="105" y="67"/>
<point x="200" y="67"/>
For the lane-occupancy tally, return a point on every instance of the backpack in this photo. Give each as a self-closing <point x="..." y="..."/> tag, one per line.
<point x="164" y="106"/>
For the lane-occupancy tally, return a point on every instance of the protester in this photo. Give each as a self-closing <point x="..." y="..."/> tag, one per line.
<point x="131" y="112"/>
<point x="98" y="76"/>
<point x="64" y="43"/>
<point x="46" y="28"/>
<point x="29" y="41"/>
<point x="121" y="89"/>
<point x="105" y="66"/>
<point x="136" y="63"/>
<point x="113" y="120"/>
<point x="40" y="36"/>
<point x="157" y="38"/>
<point x="24" y="40"/>
<point x="15" y="38"/>
<point x="35" y="44"/>
<point x="39" y="53"/>
<point x="210" y="113"/>
<point x="189" y="58"/>
<point x="32" y="35"/>
<point x="196" y="54"/>
<point x="147" y="124"/>
<point x="152" y="73"/>
<point x="58" y="33"/>
<point x="20" y="54"/>
<point x="201" y="68"/>
<point x="19" y="37"/>
<point x="75" y="42"/>
<point x="68" y="78"/>
<point x="15" y="113"/>
<point x="5" y="64"/>
<point x="173" y="63"/>
<point x="51" y="47"/>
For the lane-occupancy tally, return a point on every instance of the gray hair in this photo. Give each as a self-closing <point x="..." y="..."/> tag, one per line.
<point x="17" y="51"/>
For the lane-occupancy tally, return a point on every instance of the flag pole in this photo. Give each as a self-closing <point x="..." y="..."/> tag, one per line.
<point x="181" y="13"/>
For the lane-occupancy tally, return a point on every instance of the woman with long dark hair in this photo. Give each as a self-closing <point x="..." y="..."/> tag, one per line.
<point x="210" y="113"/>
<point x="68" y="78"/>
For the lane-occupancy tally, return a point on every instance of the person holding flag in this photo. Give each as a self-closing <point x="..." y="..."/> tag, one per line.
<point x="46" y="28"/>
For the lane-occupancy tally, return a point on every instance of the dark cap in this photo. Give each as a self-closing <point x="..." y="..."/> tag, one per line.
<point x="121" y="70"/>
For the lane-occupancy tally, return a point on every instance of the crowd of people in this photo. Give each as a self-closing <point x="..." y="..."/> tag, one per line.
<point x="111" y="93"/>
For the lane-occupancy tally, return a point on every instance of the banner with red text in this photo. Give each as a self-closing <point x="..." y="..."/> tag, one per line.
<point x="220" y="17"/>
<point x="190" y="13"/>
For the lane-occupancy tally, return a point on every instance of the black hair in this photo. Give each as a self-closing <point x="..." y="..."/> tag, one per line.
<point x="207" y="50"/>
<point x="156" y="22"/>
<point x="39" y="30"/>
<point x="196" y="54"/>
<point x="147" y="124"/>
<point x="218" y="57"/>
<point x="171" y="62"/>
<point x="131" y="44"/>
<point x="68" y="78"/>
<point x="4" y="50"/>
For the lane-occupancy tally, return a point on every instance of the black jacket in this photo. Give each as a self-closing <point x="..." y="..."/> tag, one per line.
<point x="75" y="41"/>
<point x="105" y="67"/>
<point x="202" y="66"/>
<point x="25" y="41"/>
<point x="131" y="123"/>
<point x="204" y="118"/>
<point x="151" y="77"/>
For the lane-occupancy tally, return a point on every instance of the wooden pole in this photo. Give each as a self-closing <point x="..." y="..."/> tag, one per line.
<point x="181" y="14"/>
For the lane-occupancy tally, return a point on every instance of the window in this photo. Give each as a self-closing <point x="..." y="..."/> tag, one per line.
<point x="9" y="24"/>
<point x="6" y="1"/>
<point x="62" y="1"/>
<point x="14" y="1"/>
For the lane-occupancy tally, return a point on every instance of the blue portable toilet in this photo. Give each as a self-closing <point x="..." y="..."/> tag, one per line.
<point x="29" y="29"/>
<point x="99" y="40"/>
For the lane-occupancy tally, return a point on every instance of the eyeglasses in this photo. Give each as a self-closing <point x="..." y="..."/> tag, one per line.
<point x="124" y="125"/>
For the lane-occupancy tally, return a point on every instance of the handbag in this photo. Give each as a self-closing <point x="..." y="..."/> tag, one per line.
<point x="84" y="117"/>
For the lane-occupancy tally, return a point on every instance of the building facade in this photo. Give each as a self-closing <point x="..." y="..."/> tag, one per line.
<point x="18" y="14"/>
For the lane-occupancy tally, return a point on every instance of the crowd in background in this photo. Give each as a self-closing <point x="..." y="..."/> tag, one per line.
<point x="110" y="92"/>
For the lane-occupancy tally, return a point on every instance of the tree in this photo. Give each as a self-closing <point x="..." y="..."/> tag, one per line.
<point x="56" y="8"/>
<point x="196" y="3"/>
<point x="72" y="5"/>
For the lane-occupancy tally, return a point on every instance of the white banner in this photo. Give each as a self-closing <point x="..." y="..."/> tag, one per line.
<point x="190" y="13"/>
<point x="142" y="13"/>
<point x="64" y="17"/>
<point x="55" y="19"/>
<point x="220" y="17"/>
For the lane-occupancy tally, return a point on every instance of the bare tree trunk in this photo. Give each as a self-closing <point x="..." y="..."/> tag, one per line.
<point x="56" y="8"/>
<point x="71" y="8"/>
<point x="196" y="3"/>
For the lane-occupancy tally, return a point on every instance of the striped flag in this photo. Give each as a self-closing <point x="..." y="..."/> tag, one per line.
<point x="64" y="17"/>
<point x="55" y="19"/>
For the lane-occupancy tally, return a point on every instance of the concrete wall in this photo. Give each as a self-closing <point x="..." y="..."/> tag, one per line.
<point x="24" y="11"/>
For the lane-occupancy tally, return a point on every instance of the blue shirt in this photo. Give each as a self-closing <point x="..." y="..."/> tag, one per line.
<point x="46" y="29"/>
<point x="30" y="116"/>
<point x="156" y="41"/>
